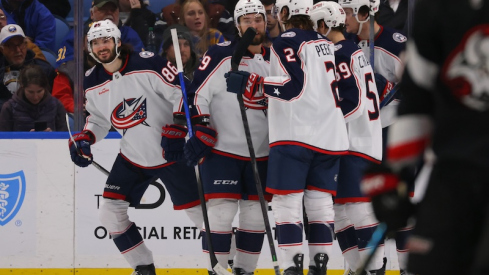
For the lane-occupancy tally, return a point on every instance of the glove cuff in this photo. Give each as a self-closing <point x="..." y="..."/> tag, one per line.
<point x="375" y="184"/>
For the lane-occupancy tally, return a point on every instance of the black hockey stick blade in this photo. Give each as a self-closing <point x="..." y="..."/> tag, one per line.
<point x="242" y="47"/>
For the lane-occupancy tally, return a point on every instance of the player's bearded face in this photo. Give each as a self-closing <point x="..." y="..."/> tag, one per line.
<point x="256" y="21"/>
<point x="104" y="49"/>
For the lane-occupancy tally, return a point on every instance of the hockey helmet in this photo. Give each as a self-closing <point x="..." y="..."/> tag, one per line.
<point x="244" y="7"/>
<point x="296" y="7"/>
<point x="331" y="12"/>
<point x="373" y="5"/>
<point x="104" y="28"/>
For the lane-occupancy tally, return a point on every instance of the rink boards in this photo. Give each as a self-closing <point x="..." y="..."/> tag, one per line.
<point x="49" y="216"/>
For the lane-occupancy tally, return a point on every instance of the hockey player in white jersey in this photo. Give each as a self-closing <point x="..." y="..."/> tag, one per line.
<point x="307" y="136"/>
<point x="389" y="44"/>
<point x="226" y="170"/>
<point x="134" y="93"/>
<point x="354" y="219"/>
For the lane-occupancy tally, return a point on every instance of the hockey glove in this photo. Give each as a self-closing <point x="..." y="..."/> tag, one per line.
<point x="384" y="86"/>
<point x="200" y="144"/>
<point x="172" y="142"/>
<point x="80" y="151"/>
<point x="245" y="83"/>
<point x="389" y="194"/>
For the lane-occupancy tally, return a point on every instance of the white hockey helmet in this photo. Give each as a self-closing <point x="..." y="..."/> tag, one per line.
<point x="298" y="7"/>
<point x="373" y="5"/>
<point x="244" y="7"/>
<point x="104" y="28"/>
<point x="331" y="12"/>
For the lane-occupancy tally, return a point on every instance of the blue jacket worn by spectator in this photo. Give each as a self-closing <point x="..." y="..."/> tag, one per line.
<point x="18" y="114"/>
<point x="35" y="19"/>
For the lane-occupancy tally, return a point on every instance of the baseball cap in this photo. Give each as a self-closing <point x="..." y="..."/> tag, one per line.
<point x="10" y="31"/>
<point x="100" y="3"/>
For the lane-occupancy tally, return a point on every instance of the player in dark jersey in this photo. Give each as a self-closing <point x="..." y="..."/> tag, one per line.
<point x="447" y="107"/>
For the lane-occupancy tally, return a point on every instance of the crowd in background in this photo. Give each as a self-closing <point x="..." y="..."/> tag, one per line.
<point x="203" y="23"/>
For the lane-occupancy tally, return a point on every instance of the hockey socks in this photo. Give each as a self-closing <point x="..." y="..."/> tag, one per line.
<point x="131" y="245"/>
<point x="248" y="247"/>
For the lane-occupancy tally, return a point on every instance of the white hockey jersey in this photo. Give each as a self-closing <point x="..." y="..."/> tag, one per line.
<point x="210" y="97"/>
<point x="303" y="103"/>
<point x="389" y="44"/>
<point x="137" y="101"/>
<point x="359" y="101"/>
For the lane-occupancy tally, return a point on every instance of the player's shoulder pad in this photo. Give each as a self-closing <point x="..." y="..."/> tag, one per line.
<point x="391" y="40"/>
<point x="223" y="49"/>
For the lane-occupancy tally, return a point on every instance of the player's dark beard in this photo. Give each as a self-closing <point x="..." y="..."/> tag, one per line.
<point x="110" y="58"/>
<point x="258" y="40"/>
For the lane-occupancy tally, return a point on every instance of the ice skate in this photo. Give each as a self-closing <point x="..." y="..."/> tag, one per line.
<point x="145" y="270"/>
<point x="298" y="269"/>
<point x="320" y="260"/>
<point x="240" y="271"/>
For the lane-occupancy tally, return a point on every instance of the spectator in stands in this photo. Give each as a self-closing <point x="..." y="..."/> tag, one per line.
<point x="35" y="19"/>
<point x="63" y="82"/>
<point x="194" y="17"/>
<point x="101" y="10"/>
<point x="189" y="58"/>
<point x="220" y="18"/>
<point x="33" y="103"/>
<point x="14" y="57"/>
<point x="59" y="8"/>
<point x="135" y="14"/>
<point x="30" y="45"/>
<point x="273" y="28"/>
<point x="394" y="14"/>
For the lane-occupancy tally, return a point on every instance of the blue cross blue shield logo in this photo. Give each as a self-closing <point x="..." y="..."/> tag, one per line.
<point x="12" y="192"/>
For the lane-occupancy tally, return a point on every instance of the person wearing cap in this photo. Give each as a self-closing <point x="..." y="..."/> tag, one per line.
<point x="187" y="52"/>
<point x="30" y="45"/>
<point x="15" y="56"/>
<point x="36" y="20"/>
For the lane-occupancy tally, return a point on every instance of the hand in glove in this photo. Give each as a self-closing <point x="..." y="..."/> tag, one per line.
<point x="80" y="151"/>
<point x="389" y="194"/>
<point x="172" y="142"/>
<point x="200" y="144"/>
<point x="245" y="83"/>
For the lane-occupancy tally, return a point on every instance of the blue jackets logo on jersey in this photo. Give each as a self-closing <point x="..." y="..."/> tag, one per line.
<point x="129" y="113"/>
<point x="12" y="192"/>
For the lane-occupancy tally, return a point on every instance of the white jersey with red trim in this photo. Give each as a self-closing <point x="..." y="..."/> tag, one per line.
<point x="137" y="101"/>
<point x="389" y="44"/>
<point x="359" y="101"/>
<point x="210" y="97"/>
<point x="303" y="106"/>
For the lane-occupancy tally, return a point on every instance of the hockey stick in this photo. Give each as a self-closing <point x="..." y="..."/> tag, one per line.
<point x="377" y="237"/>
<point x="372" y="39"/>
<point x="219" y="269"/>
<point x="106" y="172"/>
<point x="240" y="50"/>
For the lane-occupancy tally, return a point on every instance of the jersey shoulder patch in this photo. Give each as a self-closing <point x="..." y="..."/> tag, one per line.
<point x="224" y="44"/>
<point x="288" y="34"/>
<point x="146" y="54"/>
<point x="398" y="37"/>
